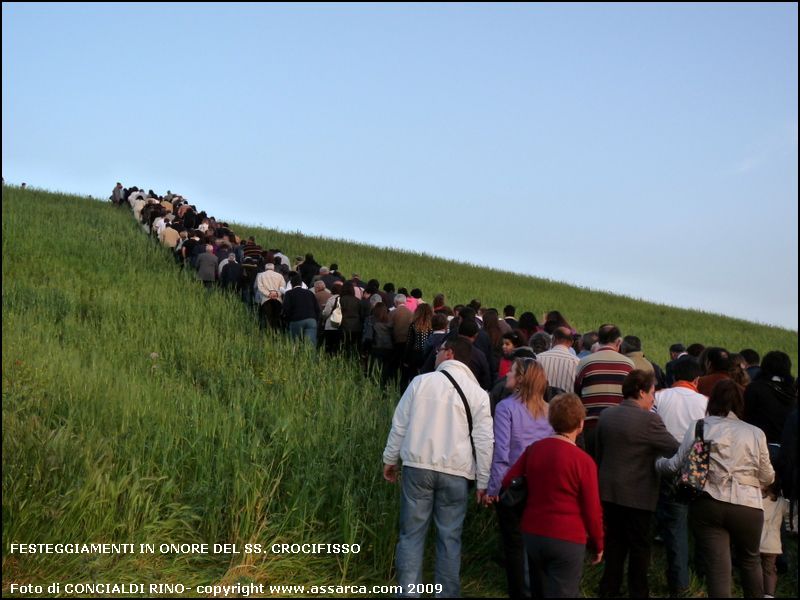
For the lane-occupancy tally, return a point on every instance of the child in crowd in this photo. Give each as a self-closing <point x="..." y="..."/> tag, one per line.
<point x="775" y="510"/>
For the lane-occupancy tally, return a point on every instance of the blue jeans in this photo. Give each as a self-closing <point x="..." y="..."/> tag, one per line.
<point x="430" y="493"/>
<point x="673" y="525"/>
<point x="306" y="328"/>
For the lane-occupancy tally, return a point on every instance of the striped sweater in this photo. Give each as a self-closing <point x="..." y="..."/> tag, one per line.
<point x="599" y="381"/>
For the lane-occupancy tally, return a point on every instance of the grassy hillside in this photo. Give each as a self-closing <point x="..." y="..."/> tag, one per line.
<point x="137" y="409"/>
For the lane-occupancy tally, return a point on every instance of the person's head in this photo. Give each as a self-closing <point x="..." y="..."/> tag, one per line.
<point x="562" y="337"/>
<point x="423" y="316"/>
<point x="438" y="301"/>
<point x="336" y="288"/>
<point x="687" y="369"/>
<point x="403" y="291"/>
<point x="457" y="348"/>
<point x="439" y="322"/>
<point x="319" y="285"/>
<point x="416" y="293"/>
<point x="324" y="270"/>
<point x="609" y="335"/>
<point x="309" y="257"/>
<point x="751" y="356"/>
<point x="589" y="340"/>
<point x="467" y="313"/>
<point x="566" y="413"/>
<point x="695" y="350"/>
<point x="717" y="360"/>
<point x="380" y="313"/>
<point x="726" y="397"/>
<point x="348" y="289"/>
<point x="296" y="280"/>
<point x="630" y="343"/>
<point x="640" y="386"/>
<point x="776" y="364"/>
<point x="676" y="350"/>
<point x="468" y="328"/>
<point x="388" y="287"/>
<point x="231" y="257"/>
<point x="475" y="305"/>
<point x="540" y="342"/>
<point x="509" y="311"/>
<point x="557" y="317"/>
<point x="511" y="341"/>
<point x="400" y="300"/>
<point x="269" y="267"/>
<point x="738" y="370"/>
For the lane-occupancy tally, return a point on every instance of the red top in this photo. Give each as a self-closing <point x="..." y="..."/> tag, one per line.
<point x="563" y="496"/>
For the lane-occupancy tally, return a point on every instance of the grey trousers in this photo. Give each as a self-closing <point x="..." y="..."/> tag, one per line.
<point x="556" y="566"/>
<point x="716" y="525"/>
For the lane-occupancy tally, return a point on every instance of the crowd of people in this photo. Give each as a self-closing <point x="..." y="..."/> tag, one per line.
<point x="596" y="428"/>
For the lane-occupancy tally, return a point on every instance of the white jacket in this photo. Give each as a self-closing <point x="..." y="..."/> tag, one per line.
<point x="430" y="430"/>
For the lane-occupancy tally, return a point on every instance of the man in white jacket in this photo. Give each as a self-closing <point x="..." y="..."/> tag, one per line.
<point x="431" y="435"/>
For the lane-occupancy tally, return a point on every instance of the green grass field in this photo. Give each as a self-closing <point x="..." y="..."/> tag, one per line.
<point x="138" y="409"/>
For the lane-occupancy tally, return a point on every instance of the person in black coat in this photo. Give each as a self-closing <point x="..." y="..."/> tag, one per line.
<point x="770" y="398"/>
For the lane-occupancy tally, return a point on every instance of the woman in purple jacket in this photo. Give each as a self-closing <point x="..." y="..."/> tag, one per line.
<point x="519" y="421"/>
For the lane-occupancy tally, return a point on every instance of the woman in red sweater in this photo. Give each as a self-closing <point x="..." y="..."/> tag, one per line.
<point x="562" y="514"/>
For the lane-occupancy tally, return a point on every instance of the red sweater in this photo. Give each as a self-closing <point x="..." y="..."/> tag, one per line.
<point x="563" y="496"/>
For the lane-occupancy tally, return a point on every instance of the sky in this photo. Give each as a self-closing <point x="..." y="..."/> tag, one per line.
<point x="647" y="150"/>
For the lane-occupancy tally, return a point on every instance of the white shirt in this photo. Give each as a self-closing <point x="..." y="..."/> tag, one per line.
<point x="679" y="408"/>
<point x="559" y="365"/>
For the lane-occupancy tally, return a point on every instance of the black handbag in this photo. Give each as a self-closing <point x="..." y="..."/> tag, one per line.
<point x="516" y="494"/>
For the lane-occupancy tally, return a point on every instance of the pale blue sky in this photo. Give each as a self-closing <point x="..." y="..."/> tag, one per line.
<point x="535" y="138"/>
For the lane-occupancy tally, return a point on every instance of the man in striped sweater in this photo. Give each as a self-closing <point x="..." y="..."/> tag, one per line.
<point x="599" y="380"/>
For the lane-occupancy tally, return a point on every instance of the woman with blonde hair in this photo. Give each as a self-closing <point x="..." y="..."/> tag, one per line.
<point x="519" y="421"/>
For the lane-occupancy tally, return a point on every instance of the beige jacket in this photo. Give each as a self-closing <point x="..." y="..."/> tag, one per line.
<point x="739" y="464"/>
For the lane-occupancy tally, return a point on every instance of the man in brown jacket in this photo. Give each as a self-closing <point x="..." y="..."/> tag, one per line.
<point x="399" y="320"/>
<point x="629" y="439"/>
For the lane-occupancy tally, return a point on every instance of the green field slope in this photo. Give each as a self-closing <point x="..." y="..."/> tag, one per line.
<point x="137" y="409"/>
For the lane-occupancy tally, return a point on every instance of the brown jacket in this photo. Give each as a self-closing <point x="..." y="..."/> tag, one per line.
<point x="629" y="440"/>
<point x="400" y="319"/>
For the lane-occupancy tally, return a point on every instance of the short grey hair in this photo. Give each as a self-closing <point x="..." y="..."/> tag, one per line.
<point x="400" y="299"/>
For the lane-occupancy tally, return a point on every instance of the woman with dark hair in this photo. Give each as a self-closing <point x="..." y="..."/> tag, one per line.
<point x="519" y="420"/>
<point x="730" y="510"/>
<point x="491" y="325"/>
<point x="510" y="342"/>
<point x="553" y="320"/>
<point x="738" y="370"/>
<point x="528" y="325"/>
<point x="418" y="332"/>
<point x="562" y="514"/>
<point x="770" y="398"/>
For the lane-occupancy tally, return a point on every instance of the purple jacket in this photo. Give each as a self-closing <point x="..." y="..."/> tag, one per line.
<point x="514" y="430"/>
